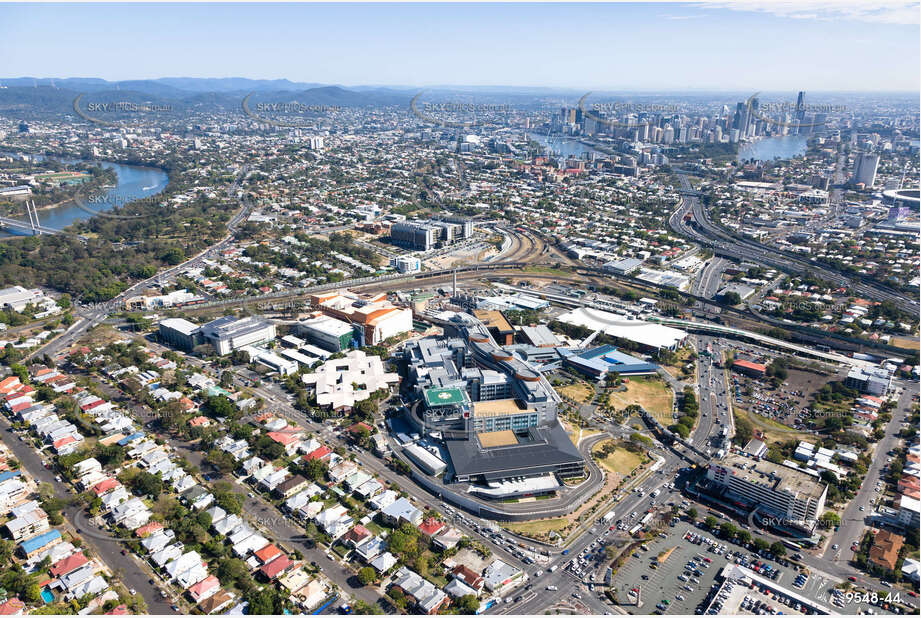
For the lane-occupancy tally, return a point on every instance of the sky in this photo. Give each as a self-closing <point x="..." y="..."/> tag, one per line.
<point x="750" y="46"/>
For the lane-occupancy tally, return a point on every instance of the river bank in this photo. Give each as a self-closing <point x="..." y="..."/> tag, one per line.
<point x="133" y="182"/>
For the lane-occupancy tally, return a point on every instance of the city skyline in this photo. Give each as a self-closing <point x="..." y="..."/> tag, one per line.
<point x="761" y="46"/>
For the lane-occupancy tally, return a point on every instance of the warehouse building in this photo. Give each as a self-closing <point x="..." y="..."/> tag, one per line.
<point x="433" y="465"/>
<point x="600" y="361"/>
<point x="180" y="333"/>
<point x="623" y="267"/>
<point x="753" y="370"/>
<point x="327" y="332"/>
<point x="229" y="333"/>
<point x="791" y="496"/>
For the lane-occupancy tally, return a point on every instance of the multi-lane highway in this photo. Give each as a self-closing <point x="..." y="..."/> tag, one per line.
<point x="714" y="407"/>
<point x="748" y="250"/>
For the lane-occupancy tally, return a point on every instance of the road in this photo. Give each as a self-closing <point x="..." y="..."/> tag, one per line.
<point x="92" y="315"/>
<point x="99" y="540"/>
<point x="708" y="282"/>
<point x="853" y="520"/>
<point x="747" y="250"/>
<point x="712" y="391"/>
<point x="566" y="581"/>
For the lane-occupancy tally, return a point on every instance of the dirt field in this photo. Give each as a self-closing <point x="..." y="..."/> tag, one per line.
<point x="540" y="526"/>
<point x="650" y="392"/>
<point x="906" y="342"/>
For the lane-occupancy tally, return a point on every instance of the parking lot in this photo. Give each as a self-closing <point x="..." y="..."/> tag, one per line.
<point x="662" y="583"/>
<point x="676" y="578"/>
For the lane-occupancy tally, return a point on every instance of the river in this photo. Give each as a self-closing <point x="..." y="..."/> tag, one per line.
<point x="134" y="182"/>
<point x="563" y="146"/>
<point x="770" y="148"/>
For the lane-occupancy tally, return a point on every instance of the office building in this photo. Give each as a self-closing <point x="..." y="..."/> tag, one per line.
<point x="229" y="333"/>
<point x="789" y="496"/>
<point x="869" y="380"/>
<point x="497" y="324"/>
<point x="374" y="317"/>
<point x="865" y="169"/>
<point x="412" y="235"/>
<point x="406" y="264"/>
<point x="426" y="235"/>
<point x="909" y="509"/>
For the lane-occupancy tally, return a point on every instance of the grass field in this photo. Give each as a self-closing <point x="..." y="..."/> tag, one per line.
<point x="621" y="461"/>
<point x="540" y="526"/>
<point x="774" y="431"/>
<point x="579" y="392"/>
<point x="652" y="393"/>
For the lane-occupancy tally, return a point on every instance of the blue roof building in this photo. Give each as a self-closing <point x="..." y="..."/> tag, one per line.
<point x="599" y="361"/>
<point x="36" y="544"/>
<point x="9" y="474"/>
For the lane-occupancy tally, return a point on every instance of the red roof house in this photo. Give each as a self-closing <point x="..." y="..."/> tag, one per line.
<point x="276" y="567"/>
<point x="68" y="564"/>
<point x="267" y="553"/>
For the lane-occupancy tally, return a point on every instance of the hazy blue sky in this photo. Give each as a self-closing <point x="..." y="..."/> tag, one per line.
<point x="758" y="46"/>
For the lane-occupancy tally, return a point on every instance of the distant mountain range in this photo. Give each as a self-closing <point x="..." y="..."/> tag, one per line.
<point x="24" y="97"/>
<point x="56" y="96"/>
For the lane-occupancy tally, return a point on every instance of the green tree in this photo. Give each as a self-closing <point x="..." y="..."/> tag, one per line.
<point x="367" y="575"/>
<point x="467" y="605"/>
